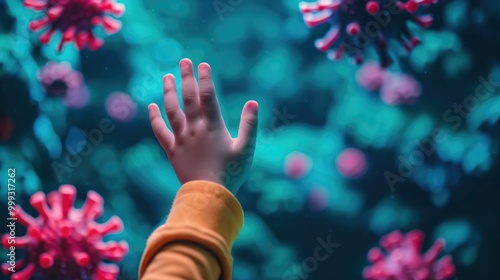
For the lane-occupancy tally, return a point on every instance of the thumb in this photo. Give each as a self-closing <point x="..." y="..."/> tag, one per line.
<point x="247" y="132"/>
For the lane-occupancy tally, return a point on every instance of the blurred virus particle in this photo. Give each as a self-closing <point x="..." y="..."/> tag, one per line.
<point x="404" y="261"/>
<point x="76" y="19"/>
<point x="394" y="88"/>
<point x="64" y="242"/>
<point x="318" y="199"/>
<point x="58" y="79"/>
<point x="61" y="80"/>
<point x="400" y="89"/>
<point x="121" y="107"/>
<point x="371" y="76"/>
<point x="351" y="163"/>
<point x="6" y="127"/>
<point x="358" y="23"/>
<point x="297" y="165"/>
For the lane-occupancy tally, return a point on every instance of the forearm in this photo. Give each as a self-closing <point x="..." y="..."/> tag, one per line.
<point x="196" y="240"/>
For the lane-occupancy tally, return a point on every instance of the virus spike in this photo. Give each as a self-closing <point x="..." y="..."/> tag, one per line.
<point x="39" y="202"/>
<point x="24" y="218"/>
<point x="313" y="20"/>
<point x="94" y="42"/>
<point x="25" y="273"/>
<point x="330" y="38"/>
<point x="353" y="28"/>
<point x="306" y="7"/>
<point x="410" y="6"/>
<point x="113" y="225"/>
<point x="6" y="266"/>
<point x="107" y="271"/>
<point x="38" y="24"/>
<point x="54" y="13"/>
<point x="405" y="261"/>
<point x="434" y="251"/>
<point x="375" y="255"/>
<point x="116" y="9"/>
<point x="46" y="260"/>
<point x="349" y="19"/>
<point x="372" y="7"/>
<point x="93" y="206"/>
<point x="77" y="16"/>
<point x="45" y="37"/>
<point x="446" y="269"/>
<point x="68" y="195"/>
<point x="424" y="21"/>
<point x="111" y="25"/>
<point x="81" y="40"/>
<point x="35" y="5"/>
<point x="336" y="54"/>
<point x="81" y="258"/>
<point x="69" y="238"/>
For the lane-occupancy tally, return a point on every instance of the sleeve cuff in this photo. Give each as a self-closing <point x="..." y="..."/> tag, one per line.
<point x="204" y="213"/>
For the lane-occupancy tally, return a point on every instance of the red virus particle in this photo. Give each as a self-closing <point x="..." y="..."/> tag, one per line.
<point x="64" y="242"/>
<point x="76" y="19"/>
<point x="404" y="261"/>
<point x="6" y="127"/>
<point x="356" y="24"/>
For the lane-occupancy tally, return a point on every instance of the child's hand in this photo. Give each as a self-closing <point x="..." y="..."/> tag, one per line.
<point x="200" y="147"/>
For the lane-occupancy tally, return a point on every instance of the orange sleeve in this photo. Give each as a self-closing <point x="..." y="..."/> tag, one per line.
<point x="195" y="242"/>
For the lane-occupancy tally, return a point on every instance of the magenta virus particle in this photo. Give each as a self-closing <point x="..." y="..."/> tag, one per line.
<point x="394" y="88"/>
<point x="371" y="76"/>
<point x="61" y="80"/>
<point x="356" y="24"/>
<point x="121" y="107"/>
<point x="76" y="20"/>
<point x="404" y="260"/>
<point x="351" y="163"/>
<point x="297" y="165"/>
<point x="64" y="242"/>
<point x="400" y="89"/>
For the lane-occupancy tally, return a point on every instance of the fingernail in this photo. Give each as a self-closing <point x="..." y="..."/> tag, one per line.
<point x="253" y="106"/>
<point x="184" y="63"/>
<point x="168" y="78"/>
<point x="203" y="67"/>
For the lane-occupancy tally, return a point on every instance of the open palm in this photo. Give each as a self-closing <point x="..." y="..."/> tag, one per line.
<point x="199" y="145"/>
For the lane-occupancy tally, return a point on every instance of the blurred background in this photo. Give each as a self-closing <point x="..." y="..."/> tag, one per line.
<point x="345" y="152"/>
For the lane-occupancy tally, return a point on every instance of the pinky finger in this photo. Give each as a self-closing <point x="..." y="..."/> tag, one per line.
<point x="160" y="129"/>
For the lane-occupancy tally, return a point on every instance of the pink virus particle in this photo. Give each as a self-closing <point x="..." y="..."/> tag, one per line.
<point x="121" y="107"/>
<point x="64" y="242"/>
<point x="297" y="165"/>
<point x="394" y="88"/>
<point x="76" y="20"/>
<point x="404" y="260"/>
<point x="355" y="24"/>
<point x="351" y="163"/>
<point x="399" y="89"/>
<point x="61" y="80"/>
<point x="371" y="76"/>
